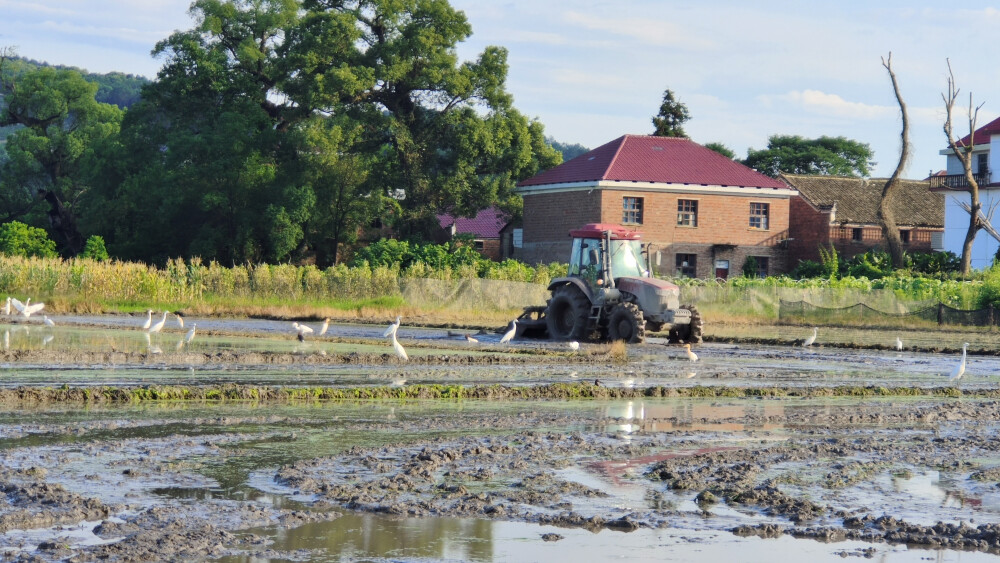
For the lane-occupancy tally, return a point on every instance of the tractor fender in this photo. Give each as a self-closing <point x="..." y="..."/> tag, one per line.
<point x="559" y="282"/>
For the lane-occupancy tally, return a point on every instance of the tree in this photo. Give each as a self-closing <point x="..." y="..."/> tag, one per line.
<point x="444" y="133"/>
<point x="569" y="151"/>
<point x="57" y="153"/>
<point x="964" y="154"/>
<point x="673" y="114"/>
<point x="792" y="154"/>
<point x="889" y="192"/>
<point x="18" y="239"/>
<point x="721" y="149"/>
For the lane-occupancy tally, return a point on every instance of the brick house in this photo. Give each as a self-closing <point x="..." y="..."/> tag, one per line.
<point x="954" y="186"/>
<point x="486" y="228"/>
<point x="843" y="211"/>
<point x="703" y="213"/>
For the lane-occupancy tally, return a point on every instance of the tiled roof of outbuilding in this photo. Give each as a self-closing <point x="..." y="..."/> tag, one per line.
<point x="486" y="224"/>
<point x="857" y="199"/>
<point x="663" y="160"/>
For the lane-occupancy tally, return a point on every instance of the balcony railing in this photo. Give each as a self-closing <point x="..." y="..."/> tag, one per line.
<point x="958" y="181"/>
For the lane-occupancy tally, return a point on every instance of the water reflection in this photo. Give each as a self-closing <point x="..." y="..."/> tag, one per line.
<point x="366" y="535"/>
<point x="657" y="416"/>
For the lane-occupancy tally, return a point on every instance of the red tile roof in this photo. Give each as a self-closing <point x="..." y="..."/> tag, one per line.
<point x="983" y="134"/>
<point x="486" y="224"/>
<point x="663" y="160"/>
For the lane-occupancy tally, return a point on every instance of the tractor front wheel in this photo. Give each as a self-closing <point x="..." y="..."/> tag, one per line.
<point x="625" y="322"/>
<point x="568" y="314"/>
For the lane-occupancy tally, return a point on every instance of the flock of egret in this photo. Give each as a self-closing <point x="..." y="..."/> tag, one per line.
<point x="956" y="372"/>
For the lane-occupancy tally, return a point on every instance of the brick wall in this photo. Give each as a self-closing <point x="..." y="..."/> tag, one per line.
<point x="722" y="232"/>
<point x="843" y="239"/>
<point x="808" y="228"/>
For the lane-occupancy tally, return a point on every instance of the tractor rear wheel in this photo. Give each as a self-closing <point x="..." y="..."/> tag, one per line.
<point x="625" y="322"/>
<point x="568" y="314"/>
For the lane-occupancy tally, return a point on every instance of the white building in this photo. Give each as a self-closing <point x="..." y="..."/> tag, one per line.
<point x="985" y="159"/>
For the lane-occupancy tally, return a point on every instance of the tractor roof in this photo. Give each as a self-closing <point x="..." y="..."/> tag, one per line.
<point x="596" y="230"/>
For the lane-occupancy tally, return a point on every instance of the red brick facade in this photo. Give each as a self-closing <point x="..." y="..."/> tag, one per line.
<point x="722" y="232"/>
<point x="811" y="228"/>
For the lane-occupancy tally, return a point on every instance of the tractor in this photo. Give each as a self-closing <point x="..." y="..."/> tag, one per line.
<point x="608" y="294"/>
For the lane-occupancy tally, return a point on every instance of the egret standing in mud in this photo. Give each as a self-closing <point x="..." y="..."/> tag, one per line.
<point x="960" y="368"/>
<point x="899" y="344"/>
<point x="574" y="345"/>
<point x="809" y="341"/>
<point x="399" y="348"/>
<point x="302" y="331"/>
<point x="6" y="307"/>
<point x="470" y="338"/>
<point x="180" y="320"/>
<point x="691" y="355"/>
<point x="326" y="325"/>
<point x="510" y="333"/>
<point x="149" y="320"/>
<point x="159" y="325"/>
<point x="190" y="335"/>
<point x="48" y="321"/>
<point x="393" y="327"/>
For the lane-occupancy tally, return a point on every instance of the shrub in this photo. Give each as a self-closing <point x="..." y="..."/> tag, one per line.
<point x="808" y="269"/>
<point x="95" y="249"/>
<point x="18" y="239"/>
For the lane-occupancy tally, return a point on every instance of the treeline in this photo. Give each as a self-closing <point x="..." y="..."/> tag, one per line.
<point x="274" y="132"/>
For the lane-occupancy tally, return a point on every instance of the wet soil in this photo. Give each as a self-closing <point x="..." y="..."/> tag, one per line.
<point x="809" y="444"/>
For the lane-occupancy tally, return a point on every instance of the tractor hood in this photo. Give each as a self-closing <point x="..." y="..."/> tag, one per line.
<point x="655" y="297"/>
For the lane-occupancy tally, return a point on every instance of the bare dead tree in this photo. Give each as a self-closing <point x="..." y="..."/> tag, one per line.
<point x="885" y="212"/>
<point x="964" y="154"/>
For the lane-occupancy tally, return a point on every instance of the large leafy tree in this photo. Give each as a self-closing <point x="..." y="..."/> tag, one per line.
<point x="54" y="158"/>
<point x="837" y="156"/>
<point x="229" y="145"/>
<point x="443" y="134"/>
<point x="669" y="122"/>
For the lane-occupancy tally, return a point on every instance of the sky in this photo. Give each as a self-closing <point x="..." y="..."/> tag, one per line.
<point x="592" y="70"/>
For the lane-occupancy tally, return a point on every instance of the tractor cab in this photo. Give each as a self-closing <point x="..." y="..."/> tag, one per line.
<point x="603" y="253"/>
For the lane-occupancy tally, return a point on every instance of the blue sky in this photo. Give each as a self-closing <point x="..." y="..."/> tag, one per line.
<point x="593" y="70"/>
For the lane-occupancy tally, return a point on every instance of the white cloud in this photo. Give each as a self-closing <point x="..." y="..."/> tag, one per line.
<point x="647" y="31"/>
<point x="830" y="104"/>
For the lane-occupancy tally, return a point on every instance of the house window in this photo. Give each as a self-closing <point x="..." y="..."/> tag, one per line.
<point x="687" y="265"/>
<point x="687" y="213"/>
<point x="857" y="234"/>
<point x="759" y="213"/>
<point x="762" y="264"/>
<point x="632" y="210"/>
<point x="982" y="163"/>
<point x="478" y="245"/>
<point x="904" y="236"/>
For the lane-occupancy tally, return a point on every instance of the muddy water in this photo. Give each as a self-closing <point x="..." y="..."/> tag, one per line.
<point x="647" y="479"/>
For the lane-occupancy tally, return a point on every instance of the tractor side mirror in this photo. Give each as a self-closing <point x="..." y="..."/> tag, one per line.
<point x="595" y="257"/>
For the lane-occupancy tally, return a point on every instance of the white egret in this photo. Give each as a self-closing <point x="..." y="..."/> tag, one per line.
<point x="302" y="331"/>
<point x="399" y="382"/>
<point x="26" y="308"/>
<point x="190" y="335"/>
<point x="180" y="320"/>
<point x="691" y="355"/>
<point x="574" y="345"/>
<point x="149" y="320"/>
<point x="48" y="321"/>
<point x="393" y="327"/>
<point x="960" y="368"/>
<point x="6" y="307"/>
<point x="899" y="343"/>
<point x="809" y="341"/>
<point x="159" y="325"/>
<point x="326" y="325"/>
<point x="6" y="339"/>
<point x="510" y="333"/>
<point x="399" y="348"/>
<point x="47" y="339"/>
<point x="471" y="338"/>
